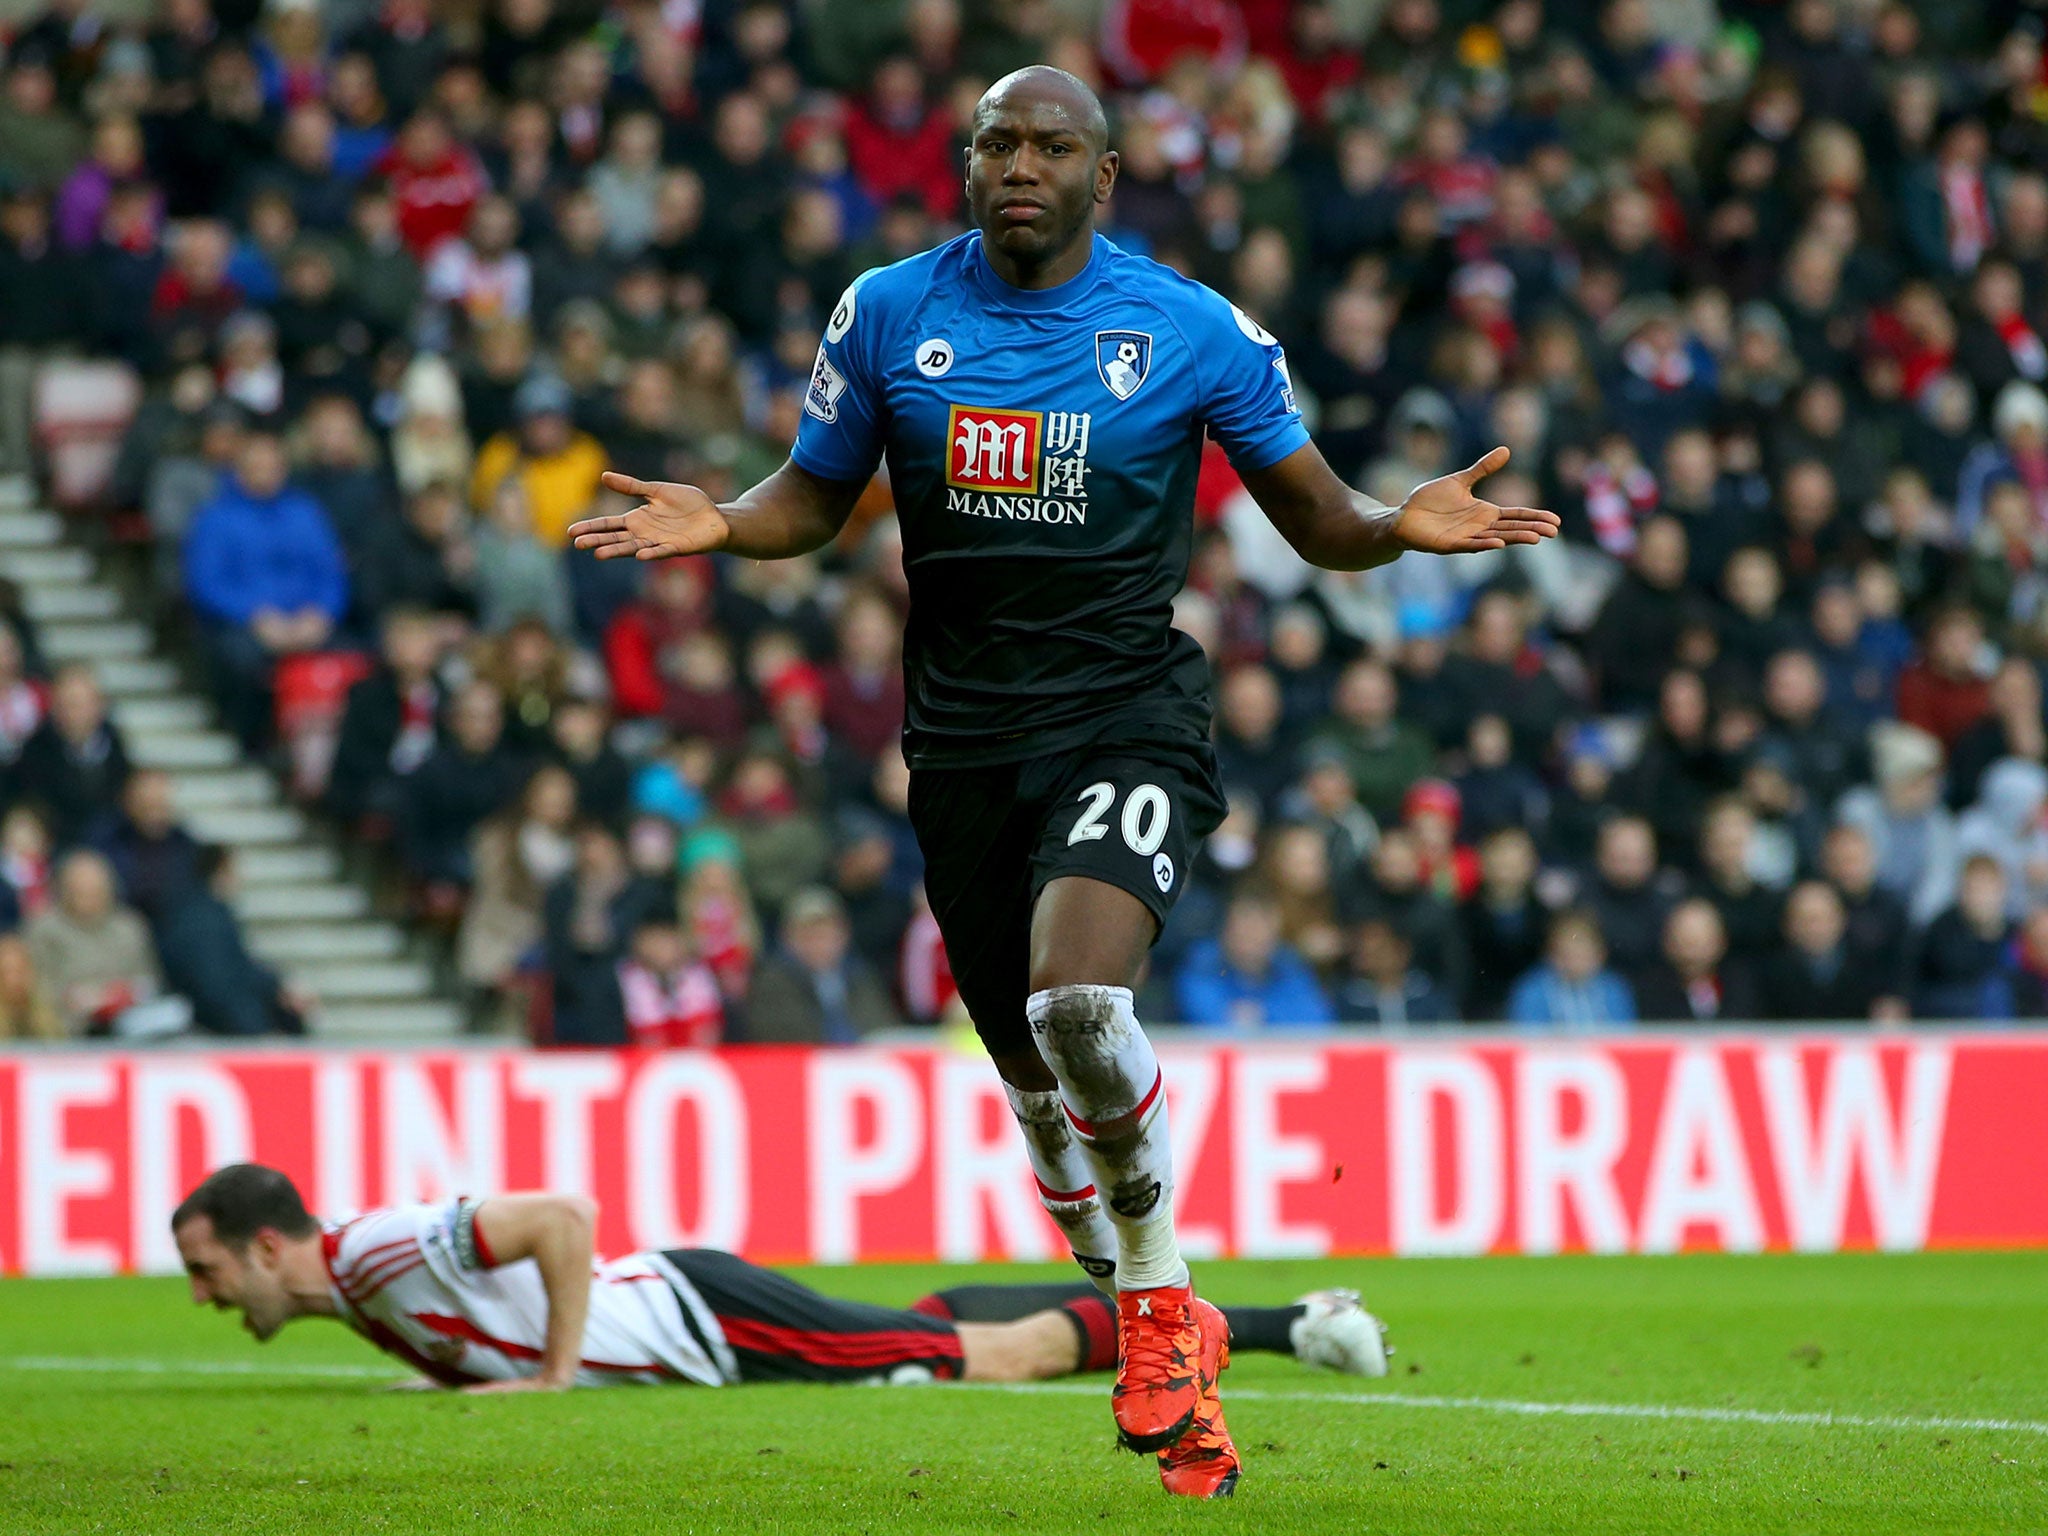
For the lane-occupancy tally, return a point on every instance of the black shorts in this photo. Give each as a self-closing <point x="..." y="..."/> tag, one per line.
<point x="1130" y="816"/>
<point x="779" y="1330"/>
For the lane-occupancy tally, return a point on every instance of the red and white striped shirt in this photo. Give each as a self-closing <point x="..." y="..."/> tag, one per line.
<point x="420" y="1283"/>
<point x="682" y="1010"/>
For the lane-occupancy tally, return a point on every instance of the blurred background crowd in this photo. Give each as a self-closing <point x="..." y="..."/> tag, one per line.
<point x="1756" y="291"/>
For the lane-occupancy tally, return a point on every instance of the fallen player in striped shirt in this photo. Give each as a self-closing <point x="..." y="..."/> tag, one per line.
<point x="507" y="1294"/>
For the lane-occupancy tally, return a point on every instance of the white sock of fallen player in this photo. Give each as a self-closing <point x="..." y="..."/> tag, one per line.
<point x="1116" y="1100"/>
<point x="1066" y="1184"/>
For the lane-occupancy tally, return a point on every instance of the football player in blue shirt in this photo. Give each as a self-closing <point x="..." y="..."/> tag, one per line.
<point x="1040" y="398"/>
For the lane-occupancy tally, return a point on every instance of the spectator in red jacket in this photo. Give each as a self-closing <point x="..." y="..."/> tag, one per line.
<point x="195" y="289"/>
<point x="700" y="688"/>
<point x="1432" y="809"/>
<point x="1142" y="38"/>
<point x="1314" y="59"/>
<point x="1945" y="691"/>
<point x="675" y="605"/>
<point x="435" y="181"/>
<point x="897" y="142"/>
<point x="864" y="685"/>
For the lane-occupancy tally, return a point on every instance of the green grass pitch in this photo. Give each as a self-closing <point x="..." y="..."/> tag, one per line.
<point x="1850" y="1394"/>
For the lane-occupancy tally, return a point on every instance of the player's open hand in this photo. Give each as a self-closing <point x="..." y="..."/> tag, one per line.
<point x="671" y="520"/>
<point x="519" y="1384"/>
<point x="1444" y="517"/>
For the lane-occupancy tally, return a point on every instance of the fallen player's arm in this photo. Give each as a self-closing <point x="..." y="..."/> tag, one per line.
<point x="559" y="1233"/>
<point x="1339" y="529"/>
<point x="792" y="512"/>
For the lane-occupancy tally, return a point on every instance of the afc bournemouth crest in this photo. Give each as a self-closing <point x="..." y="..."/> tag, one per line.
<point x="1123" y="358"/>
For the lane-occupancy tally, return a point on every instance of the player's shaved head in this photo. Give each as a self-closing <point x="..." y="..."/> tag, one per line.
<point x="1038" y="167"/>
<point x="1041" y="86"/>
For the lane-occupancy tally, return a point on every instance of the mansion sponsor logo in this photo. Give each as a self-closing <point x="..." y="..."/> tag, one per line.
<point x="991" y="450"/>
<point x="1021" y="466"/>
<point x="1016" y="509"/>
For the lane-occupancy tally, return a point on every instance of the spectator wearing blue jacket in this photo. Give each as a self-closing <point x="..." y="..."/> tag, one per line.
<point x="1572" y="991"/>
<point x="1382" y="986"/>
<point x="265" y="574"/>
<point x="1246" y="978"/>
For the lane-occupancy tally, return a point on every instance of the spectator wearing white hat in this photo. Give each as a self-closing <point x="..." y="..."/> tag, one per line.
<point x="2019" y="421"/>
<point x="429" y="444"/>
<point x="1911" y="831"/>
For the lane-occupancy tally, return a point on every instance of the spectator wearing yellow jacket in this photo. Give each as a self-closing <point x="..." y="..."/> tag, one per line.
<point x="556" y="464"/>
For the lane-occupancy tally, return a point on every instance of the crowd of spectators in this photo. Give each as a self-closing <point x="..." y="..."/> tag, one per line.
<point x="1756" y="292"/>
<point x="114" y="921"/>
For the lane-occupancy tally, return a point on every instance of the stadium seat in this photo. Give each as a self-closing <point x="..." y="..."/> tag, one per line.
<point x="82" y="409"/>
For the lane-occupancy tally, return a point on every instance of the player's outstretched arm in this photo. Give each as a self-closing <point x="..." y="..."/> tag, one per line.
<point x="559" y="1233"/>
<point x="792" y="512"/>
<point x="1332" y="526"/>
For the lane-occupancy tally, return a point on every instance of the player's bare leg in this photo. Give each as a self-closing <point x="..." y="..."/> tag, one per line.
<point x="1089" y="940"/>
<point x="1035" y="1348"/>
<point x="1324" y="1330"/>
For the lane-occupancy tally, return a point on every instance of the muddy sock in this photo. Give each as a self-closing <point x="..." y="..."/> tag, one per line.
<point x="1066" y="1186"/>
<point x="1115" y="1097"/>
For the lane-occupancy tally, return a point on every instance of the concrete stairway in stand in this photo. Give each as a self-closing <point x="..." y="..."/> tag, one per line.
<point x="300" y="910"/>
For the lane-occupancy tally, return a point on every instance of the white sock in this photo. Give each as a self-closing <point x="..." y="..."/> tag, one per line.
<point x="1116" y="1100"/>
<point x="1066" y="1185"/>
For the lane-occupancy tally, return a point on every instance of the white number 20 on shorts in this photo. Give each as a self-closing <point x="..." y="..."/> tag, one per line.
<point x="1146" y="814"/>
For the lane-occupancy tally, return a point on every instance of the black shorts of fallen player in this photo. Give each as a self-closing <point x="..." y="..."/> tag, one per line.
<point x="994" y="837"/>
<point x="781" y="1330"/>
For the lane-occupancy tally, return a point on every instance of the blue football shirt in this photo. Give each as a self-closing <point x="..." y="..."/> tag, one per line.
<point x="1042" y="448"/>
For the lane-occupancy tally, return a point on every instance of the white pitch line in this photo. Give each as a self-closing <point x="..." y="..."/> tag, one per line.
<point x="1765" y="1416"/>
<point x="110" y="1365"/>
<point x="1778" y="1418"/>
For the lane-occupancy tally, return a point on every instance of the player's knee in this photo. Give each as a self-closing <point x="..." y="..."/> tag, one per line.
<point x="1023" y="1069"/>
<point x="1057" y="966"/>
<point x="1086" y="933"/>
<point x="1067" y="1007"/>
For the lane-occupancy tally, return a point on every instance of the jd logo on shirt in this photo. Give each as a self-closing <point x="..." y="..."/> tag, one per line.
<point x="1123" y="358"/>
<point x="934" y="357"/>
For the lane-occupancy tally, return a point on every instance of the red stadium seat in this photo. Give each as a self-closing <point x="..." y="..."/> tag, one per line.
<point x="312" y="691"/>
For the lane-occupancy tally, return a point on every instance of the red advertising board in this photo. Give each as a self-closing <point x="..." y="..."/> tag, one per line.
<point x="1454" y="1147"/>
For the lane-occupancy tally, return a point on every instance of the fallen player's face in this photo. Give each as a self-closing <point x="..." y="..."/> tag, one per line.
<point x="230" y="1280"/>
<point x="1031" y="177"/>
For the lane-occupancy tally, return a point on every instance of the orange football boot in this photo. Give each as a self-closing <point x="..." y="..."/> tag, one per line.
<point x="1158" y="1366"/>
<point x="1202" y="1464"/>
